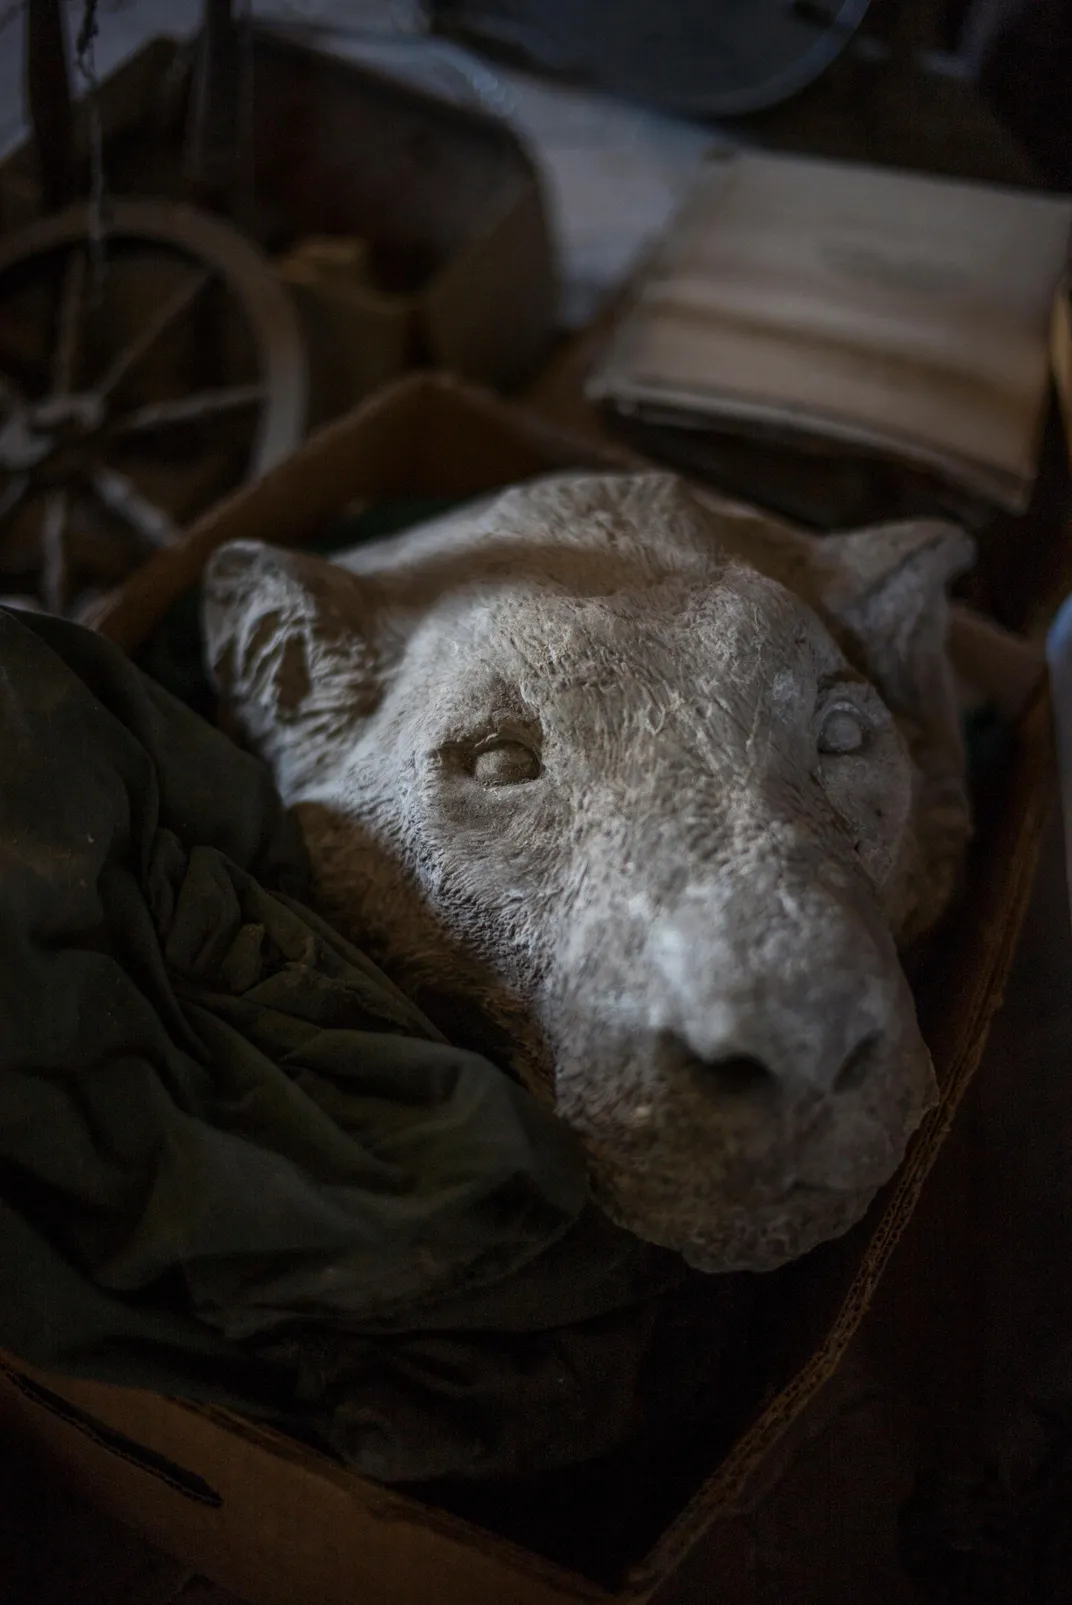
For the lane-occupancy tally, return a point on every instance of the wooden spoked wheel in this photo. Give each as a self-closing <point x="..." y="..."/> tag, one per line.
<point x="143" y="374"/>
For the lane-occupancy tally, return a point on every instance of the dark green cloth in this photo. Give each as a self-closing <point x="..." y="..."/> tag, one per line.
<point x="235" y="1162"/>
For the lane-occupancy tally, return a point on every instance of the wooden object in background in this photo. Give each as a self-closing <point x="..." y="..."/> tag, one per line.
<point x="48" y="95"/>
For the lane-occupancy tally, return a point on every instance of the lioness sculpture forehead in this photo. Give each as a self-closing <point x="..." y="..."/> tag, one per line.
<point x="641" y="793"/>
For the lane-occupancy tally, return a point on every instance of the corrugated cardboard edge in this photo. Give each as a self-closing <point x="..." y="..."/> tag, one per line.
<point x="291" y="502"/>
<point x="87" y="1423"/>
<point x="729" y="1492"/>
<point x="434" y="415"/>
<point x="488" y="314"/>
<point x="1061" y="357"/>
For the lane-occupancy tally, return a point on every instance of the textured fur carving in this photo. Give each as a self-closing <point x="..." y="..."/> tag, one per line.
<point x="638" y="794"/>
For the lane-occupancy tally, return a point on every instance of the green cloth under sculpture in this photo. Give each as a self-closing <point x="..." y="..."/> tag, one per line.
<point x="237" y="1165"/>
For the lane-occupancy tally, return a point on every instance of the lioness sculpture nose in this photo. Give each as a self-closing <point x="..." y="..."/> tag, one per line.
<point x="745" y="1078"/>
<point x="738" y="1075"/>
<point x="798" y="1011"/>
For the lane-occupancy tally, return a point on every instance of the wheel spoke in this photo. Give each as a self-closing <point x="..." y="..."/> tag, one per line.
<point x="121" y="496"/>
<point x="189" y="409"/>
<point x="12" y="495"/>
<point x="89" y="608"/>
<point x="23" y="376"/>
<point x="10" y="395"/>
<point x="53" y="552"/>
<point x="173" y="308"/>
<point x="68" y="321"/>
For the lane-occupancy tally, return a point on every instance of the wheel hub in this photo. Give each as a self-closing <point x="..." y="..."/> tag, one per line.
<point x="21" y="446"/>
<point x="30" y="435"/>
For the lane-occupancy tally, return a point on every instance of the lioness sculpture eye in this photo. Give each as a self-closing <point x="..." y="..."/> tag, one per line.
<point x="842" y="732"/>
<point x="505" y="763"/>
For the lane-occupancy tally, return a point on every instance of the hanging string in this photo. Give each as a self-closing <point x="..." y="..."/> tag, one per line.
<point x="85" y="62"/>
<point x="247" y="119"/>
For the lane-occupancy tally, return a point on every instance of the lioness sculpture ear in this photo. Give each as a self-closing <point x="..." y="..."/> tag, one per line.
<point x="887" y="585"/>
<point x="884" y="588"/>
<point x="296" y="649"/>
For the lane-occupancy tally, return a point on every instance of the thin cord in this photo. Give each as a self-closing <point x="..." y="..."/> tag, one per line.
<point x="247" y="119"/>
<point x="85" y="61"/>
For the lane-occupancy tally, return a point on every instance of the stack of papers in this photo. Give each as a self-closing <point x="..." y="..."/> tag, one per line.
<point x="904" y="316"/>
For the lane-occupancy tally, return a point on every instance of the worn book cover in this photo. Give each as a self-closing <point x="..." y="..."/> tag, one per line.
<point x="904" y="316"/>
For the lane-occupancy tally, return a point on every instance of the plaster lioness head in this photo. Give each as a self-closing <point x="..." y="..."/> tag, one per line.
<point x="655" y="789"/>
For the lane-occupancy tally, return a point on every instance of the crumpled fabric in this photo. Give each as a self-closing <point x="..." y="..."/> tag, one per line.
<point x="236" y="1164"/>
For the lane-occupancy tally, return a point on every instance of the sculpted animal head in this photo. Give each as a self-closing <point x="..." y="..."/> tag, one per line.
<point x="655" y="789"/>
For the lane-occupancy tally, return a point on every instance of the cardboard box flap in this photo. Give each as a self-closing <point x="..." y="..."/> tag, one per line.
<point x="424" y="435"/>
<point x="291" y="1525"/>
<point x="261" y="1514"/>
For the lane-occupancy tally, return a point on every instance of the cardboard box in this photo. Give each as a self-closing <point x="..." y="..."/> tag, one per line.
<point x="266" y="1517"/>
<point x="445" y="200"/>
